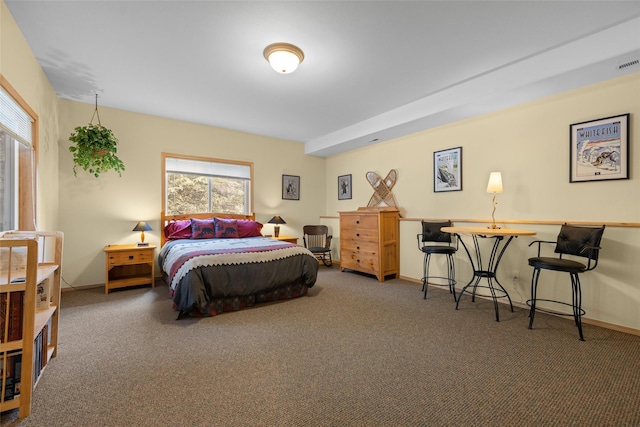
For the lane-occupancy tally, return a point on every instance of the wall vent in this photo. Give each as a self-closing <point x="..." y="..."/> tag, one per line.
<point x="629" y="64"/>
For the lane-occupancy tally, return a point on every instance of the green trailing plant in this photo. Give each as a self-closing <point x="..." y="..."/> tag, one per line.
<point x="94" y="148"/>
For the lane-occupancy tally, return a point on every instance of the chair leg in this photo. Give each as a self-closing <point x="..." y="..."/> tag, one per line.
<point x="534" y="288"/>
<point x="326" y="260"/>
<point x="451" y="275"/>
<point x="577" y="302"/>
<point x="425" y="271"/>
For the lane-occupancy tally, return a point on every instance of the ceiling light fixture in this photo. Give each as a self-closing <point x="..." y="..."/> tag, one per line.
<point x="283" y="57"/>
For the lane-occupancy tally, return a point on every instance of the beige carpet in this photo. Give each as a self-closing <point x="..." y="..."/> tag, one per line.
<point x="354" y="352"/>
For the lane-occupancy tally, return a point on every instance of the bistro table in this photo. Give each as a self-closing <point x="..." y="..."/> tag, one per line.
<point x="500" y="244"/>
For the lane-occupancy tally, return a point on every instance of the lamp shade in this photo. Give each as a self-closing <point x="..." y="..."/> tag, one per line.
<point x="283" y="57"/>
<point x="277" y="220"/>
<point x="142" y="226"/>
<point x="495" y="183"/>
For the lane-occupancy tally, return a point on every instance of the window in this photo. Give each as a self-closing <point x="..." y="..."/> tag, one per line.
<point x="17" y="161"/>
<point x="198" y="185"/>
<point x="8" y="181"/>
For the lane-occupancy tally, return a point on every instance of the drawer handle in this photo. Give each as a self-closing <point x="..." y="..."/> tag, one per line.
<point x="357" y="222"/>
<point x="130" y="256"/>
<point x="357" y="234"/>
<point x="358" y="261"/>
<point x="358" y="247"/>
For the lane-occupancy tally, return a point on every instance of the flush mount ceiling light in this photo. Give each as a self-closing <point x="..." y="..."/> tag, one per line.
<point x="283" y="57"/>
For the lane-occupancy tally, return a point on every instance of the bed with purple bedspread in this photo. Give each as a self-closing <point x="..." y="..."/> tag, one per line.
<point x="211" y="276"/>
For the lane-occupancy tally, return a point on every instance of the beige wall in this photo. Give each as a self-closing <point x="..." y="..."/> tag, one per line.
<point x="529" y="145"/>
<point x="20" y="68"/>
<point x="98" y="212"/>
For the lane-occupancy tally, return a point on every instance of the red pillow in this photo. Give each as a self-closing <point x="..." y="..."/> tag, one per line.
<point x="248" y="228"/>
<point x="226" y="228"/>
<point x="178" y="230"/>
<point x="202" y="228"/>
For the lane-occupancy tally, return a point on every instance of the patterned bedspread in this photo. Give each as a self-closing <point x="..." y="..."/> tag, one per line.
<point x="203" y="271"/>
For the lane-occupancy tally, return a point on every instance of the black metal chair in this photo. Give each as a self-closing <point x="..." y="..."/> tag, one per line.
<point x="317" y="239"/>
<point x="432" y="241"/>
<point x="575" y="241"/>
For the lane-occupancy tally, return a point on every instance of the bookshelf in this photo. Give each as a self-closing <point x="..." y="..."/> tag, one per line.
<point x="30" y="264"/>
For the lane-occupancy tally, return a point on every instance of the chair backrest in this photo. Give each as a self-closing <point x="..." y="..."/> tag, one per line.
<point x="316" y="236"/>
<point x="431" y="231"/>
<point x="579" y="241"/>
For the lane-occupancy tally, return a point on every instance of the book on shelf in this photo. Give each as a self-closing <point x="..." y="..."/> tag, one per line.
<point x="3" y="315"/>
<point x="11" y="315"/>
<point x="11" y="371"/>
<point x="45" y="346"/>
<point x="37" y="356"/>
<point x="43" y="294"/>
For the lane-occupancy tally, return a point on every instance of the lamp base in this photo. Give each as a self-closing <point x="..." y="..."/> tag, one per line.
<point x="143" y="244"/>
<point x="276" y="230"/>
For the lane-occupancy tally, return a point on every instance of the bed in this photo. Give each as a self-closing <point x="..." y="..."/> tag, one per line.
<point x="215" y="263"/>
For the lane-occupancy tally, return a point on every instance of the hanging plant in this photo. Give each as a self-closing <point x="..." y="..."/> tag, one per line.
<point x="94" y="148"/>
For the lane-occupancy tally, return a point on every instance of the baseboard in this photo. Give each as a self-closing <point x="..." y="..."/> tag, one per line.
<point x="156" y="281"/>
<point x="585" y="319"/>
<point x="80" y="288"/>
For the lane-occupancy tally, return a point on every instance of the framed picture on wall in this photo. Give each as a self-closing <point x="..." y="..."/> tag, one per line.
<point x="290" y="187"/>
<point x="447" y="170"/>
<point x="344" y="187"/>
<point x="599" y="149"/>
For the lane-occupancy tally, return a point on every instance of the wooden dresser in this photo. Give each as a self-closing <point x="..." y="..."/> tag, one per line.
<point x="370" y="241"/>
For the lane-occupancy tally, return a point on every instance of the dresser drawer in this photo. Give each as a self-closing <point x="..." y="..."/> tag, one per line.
<point x="359" y="247"/>
<point x="366" y="263"/>
<point x="352" y="222"/>
<point x="359" y="235"/>
<point x="130" y="257"/>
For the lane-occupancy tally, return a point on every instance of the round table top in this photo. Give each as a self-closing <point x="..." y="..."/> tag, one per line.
<point x="486" y="231"/>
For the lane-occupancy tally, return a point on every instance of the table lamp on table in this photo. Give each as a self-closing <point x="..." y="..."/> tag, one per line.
<point x="276" y="228"/>
<point x="142" y="226"/>
<point x="494" y="186"/>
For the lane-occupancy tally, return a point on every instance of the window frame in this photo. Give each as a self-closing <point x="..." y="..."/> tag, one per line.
<point x="27" y="165"/>
<point x="165" y="156"/>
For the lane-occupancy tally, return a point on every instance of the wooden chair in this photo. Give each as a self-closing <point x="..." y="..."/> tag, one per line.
<point x="317" y="239"/>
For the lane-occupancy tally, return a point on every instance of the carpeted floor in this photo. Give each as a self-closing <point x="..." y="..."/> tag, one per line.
<point x="354" y="352"/>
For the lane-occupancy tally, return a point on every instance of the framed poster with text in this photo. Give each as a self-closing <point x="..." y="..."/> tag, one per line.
<point x="599" y="149"/>
<point x="447" y="169"/>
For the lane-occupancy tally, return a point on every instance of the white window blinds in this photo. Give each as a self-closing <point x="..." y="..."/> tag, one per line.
<point x="212" y="168"/>
<point x="14" y="120"/>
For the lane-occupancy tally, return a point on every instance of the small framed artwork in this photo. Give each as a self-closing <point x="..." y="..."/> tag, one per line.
<point x="599" y="149"/>
<point x="290" y="187"/>
<point x="344" y="187"/>
<point x="447" y="170"/>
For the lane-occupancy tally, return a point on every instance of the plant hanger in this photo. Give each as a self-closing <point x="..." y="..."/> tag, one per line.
<point x="95" y="113"/>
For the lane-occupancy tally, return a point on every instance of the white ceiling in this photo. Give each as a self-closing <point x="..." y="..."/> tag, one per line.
<point x="373" y="70"/>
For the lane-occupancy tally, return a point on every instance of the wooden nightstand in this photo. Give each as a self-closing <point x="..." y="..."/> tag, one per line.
<point x="129" y="265"/>
<point x="289" y="239"/>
